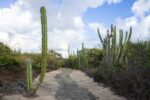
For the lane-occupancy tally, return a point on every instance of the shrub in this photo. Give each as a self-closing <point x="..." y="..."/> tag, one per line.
<point x="95" y="56"/>
<point x="132" y="79"/>
<point x="7" y="56"/>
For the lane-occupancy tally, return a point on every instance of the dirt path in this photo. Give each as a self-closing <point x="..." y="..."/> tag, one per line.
<point x="67" y="84"/>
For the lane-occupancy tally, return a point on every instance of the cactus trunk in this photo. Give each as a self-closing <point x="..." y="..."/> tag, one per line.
<point x="44" y="43"/>
<point x="29" y="75"/>
<point x="44" y="48"/>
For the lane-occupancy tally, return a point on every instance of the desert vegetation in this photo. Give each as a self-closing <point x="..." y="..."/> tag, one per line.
<point x="121" y="64"/>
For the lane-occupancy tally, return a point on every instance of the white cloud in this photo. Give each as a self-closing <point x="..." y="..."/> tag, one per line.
<point x="140" y="21"/>
<point x="113" y="1"/>
<point x="20" y="23"/>
<point x="95" y="39"/>
<point x="140" y="7"/>
<point x="101" y="27"/>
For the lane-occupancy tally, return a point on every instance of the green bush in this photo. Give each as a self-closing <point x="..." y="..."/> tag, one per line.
<point x="132" y="82"/>
<point x="132" y="79"/>
<point x="95" y="56"/>
<point x="7" y="56"/>
<point x="139" y="53"/>
<point x="55" y="60"/>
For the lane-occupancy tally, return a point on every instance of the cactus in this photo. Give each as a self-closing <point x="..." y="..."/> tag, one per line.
<point x="83" y="56"/>
<point x="44" y="43"/>
<point x="29" y="75"/>
<point x="78" y="58"/>
<point x="44" y="47"/>
<point x="68" y="51"/>
<point x="112" y="51"/>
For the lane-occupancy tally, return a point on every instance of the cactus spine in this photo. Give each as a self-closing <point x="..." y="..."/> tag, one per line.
<point x="44" y="43"/>
<point x="112" y="51"/>
<point x="29" y="75"/>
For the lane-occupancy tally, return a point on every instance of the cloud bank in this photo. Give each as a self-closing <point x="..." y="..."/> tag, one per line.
<point x="20" y="25"/>
<point x="140" y="21"/>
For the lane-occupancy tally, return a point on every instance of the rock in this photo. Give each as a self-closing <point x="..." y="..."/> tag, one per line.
<point x="1" y="84"/>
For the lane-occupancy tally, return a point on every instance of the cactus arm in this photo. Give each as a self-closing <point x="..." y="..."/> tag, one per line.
<point x="130" y="33"/>
<point x="100" y="36"/>
<point x="126" y="43"/>
<point x="114" y="43"/>
<point x="121" y="45"/>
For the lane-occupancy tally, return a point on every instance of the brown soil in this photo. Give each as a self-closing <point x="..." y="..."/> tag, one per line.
<point x="12" y="81"/>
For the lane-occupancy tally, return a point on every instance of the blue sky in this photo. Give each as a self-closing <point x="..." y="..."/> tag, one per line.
<point x="70" y="22"/>
<point x="107" y="14"/>
<point x="6" y="3"/>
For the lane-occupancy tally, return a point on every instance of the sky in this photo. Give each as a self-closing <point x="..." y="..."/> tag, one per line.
<point x="70" y="22"/>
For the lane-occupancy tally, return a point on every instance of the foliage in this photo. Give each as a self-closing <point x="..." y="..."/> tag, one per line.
<point x="95" y="56"/>
<point x="55" y="60"/>
<point x="132" y="79"/>
<point x="71" y="62"/>
<point x="127" y="76"/>
<point x="139" y="53"/>
<point x="7" y="56"/>
<point x="86" y="56"/>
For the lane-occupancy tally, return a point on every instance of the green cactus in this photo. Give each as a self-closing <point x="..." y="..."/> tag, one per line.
<point x="78" y="58"/>
<point x="68" y="51"/>
<point x="44" y="43"/>
<point x="29" y="75"/>
<point x="44" y="47"/>
<point x="112" y="51"/>
<point x="83" y="57"/>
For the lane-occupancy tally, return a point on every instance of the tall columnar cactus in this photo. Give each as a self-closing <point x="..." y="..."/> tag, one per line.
<point x="68" y="51"/>
<point x="29" y="75"/>
<point x="78" y="58"/>
<point x="115" y="52"/>
<point x="44" y="55"/>
<point x="83" y="57"/>
<point x="44" y="46"/>
<point x="44" y="43"/>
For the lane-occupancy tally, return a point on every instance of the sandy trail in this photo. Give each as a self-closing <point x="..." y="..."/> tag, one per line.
<point x="68" y="84"/>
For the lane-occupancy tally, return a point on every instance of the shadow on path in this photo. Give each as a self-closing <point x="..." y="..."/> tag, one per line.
<point x="69" y="90"/>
